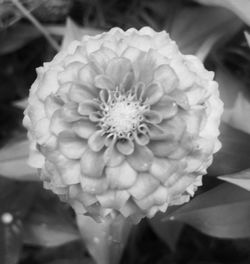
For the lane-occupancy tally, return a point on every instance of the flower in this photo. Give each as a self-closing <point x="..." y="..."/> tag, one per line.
<point x="123" y="123"/>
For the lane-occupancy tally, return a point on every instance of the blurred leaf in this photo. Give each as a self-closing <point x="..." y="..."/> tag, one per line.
<point x="10" y="123"/>
<point x="72" y="32"/>
<point x="222" y="212"/>
<point x="10" y="243"/>
<point x="7" y="93"/>
<point x="240" y="7"/>
<point x="247" y="35"/>
<point x="16" y="37"/>
<point x="52" y="11"/>
<point x="70" y="253"/>
<point x="229" y="87"/>
<point x="50" y="222"/>
<point x="232" y="58"/>
<point x="241" y="179"/>
<point x="22" y="104"/>
<point x="13" y="161"/>
<point x="234" y="155"/>
<point x="48" y="231"/>
<point x="158" y="11"/>
<point x="16" y="199"/>
<point x="169" y="231"/>
<point x="233" y="79"/>
<point x="236" y="103"/>
<point x="67" y="261"/>
<point x="193" y="27"/>
<point x="16" y="196"/>
<point x="9" y="14"/>
<point x="75" y="32"/>
<point x="238" y="115"/>
<point x="56" y="29"/>
<point x="19" y="64"/>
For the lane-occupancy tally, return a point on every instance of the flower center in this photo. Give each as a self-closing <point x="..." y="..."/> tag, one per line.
<point x="122" y="115"/>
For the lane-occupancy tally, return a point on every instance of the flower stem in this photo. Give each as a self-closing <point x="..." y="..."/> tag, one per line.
<point x="105" y="241"/>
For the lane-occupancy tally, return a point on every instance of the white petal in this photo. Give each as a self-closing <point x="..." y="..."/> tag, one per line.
<point x="122" y="176"/>
<point x="92" y="163"/>
<point x="94" y="186"/>
<point x="113" y="199"/>
<point x="84" y="128"/>
<point x="71" y="146"/>
<point x="162" y="169"/>
<point x="144" y="186"/>
<point x="159" y="197"/>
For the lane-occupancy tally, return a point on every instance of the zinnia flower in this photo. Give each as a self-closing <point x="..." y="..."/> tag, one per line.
<point x="123" y="123"/>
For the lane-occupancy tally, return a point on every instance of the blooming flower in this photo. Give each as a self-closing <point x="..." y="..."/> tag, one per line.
<point x="123" y="123"/>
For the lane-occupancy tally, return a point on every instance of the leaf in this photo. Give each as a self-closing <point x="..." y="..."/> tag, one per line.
<point x="222" y="212"/>
<point x="169" y="231"/>
<point x="67" y="261"/>
<point x="239" y="114"/>
<point x="22" y="103"/>
<point x="229" y="87"/>
<point x="241" y="179"/>
<point x="193" y="27"/>
<point x="13" y="161"/>
<point x="10" y="121"/>
<point x="11" y="243"/>
<point x="234" y="155"/>
<point x="16" y="196"/>
<point x="9" y="14"/>
<point x="16" y="37"/>
<point x="247" y="35"/>
<point x="236" y="103"/>
<point x="50" y="222"/>
<point x="240" y="7"/>
<point x="43" y="230"/>
<point x="75" y="32"/>
<point x="16" y="199"/>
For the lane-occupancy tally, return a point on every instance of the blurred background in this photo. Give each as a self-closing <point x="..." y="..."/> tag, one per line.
<point x="35" y="227"/>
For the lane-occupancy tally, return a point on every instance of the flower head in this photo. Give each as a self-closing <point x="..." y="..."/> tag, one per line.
<point x="123" y="123"/>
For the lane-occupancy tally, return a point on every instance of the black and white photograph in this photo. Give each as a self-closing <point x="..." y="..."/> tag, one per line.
<point x="124" y="132"/>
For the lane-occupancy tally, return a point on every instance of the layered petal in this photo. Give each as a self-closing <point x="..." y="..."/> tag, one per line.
<point x="92" y="163"/>
<point x="121" y="177"/>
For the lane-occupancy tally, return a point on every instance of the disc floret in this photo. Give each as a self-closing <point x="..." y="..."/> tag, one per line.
<point x="123" y="114"/>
